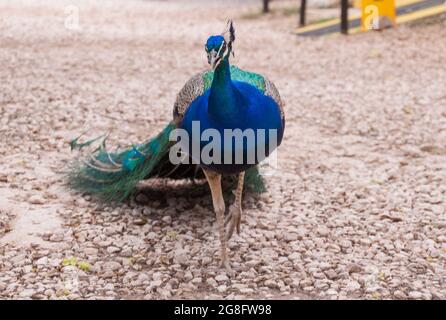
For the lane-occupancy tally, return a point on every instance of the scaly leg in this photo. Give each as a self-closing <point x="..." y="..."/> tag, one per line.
<point x="235" y="210"/>
<point x="214" y="180"/>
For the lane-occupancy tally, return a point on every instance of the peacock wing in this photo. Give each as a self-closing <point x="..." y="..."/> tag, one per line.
<point x="198" y="84"/>
<point x="260" y="82"/>
<point x="193" y="88"/>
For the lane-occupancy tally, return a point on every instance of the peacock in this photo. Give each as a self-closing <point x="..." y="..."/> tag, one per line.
<point x="211" y="104"/>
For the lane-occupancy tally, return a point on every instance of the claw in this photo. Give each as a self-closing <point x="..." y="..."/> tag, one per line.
<point x="225" y="264"/>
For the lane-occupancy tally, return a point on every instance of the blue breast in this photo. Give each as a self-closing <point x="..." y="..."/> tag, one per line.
<point x="255" y="111"/>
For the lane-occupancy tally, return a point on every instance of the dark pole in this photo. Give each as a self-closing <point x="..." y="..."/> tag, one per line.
<point x="344" y="16"/>
<point x="303" y="7"/>
<point x="265" y="6"/>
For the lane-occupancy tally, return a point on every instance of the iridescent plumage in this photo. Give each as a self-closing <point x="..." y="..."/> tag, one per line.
<point x="225" y="97"/>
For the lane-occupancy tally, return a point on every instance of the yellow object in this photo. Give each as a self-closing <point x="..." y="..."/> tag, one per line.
<point x="412" y="16"/>
<point x="357" y="4"/>
<point x="401" y="18"/>
<point x="377" y="14"/>
<point x="422" y="14"/>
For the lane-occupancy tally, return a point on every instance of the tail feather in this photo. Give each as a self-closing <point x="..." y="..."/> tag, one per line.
<point x="113" y="176"/>
<point x="254" y="180"/>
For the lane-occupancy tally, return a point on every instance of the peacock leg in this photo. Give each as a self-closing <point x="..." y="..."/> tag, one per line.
<point x="214" y="180"/>
<point x="235" y="210"/>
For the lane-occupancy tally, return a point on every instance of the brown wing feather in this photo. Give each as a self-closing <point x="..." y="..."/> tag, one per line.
<point x="191" y="90"/>
<point x="271" y="91"/>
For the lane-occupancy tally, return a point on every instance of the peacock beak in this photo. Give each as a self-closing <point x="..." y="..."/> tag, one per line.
<point x="214" y="59"/>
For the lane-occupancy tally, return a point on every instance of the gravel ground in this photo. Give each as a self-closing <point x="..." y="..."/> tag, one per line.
<point x="357" y="209"/>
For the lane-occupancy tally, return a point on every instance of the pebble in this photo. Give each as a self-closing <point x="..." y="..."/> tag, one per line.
<point x="399" y="295"/>
<point x="113" y="249"/>
<point x="345" y="243"/>
<point x="415" y="295"/>
<point x="49" y="292"/>
<point x="322" y="231"/>
<point x="167" y="219"/>
<point x="321" y="285"/>
<point x="180" y="256"/>
<point x="111" y="266"/>
<point x="91" y="251"/>
<point x="36" y="199"/>
<point x="221" y="278"/>
<point x="42" y="261"/>
<point x="57" y="237"/>
<point x="331" y="274"/>
<point x="27" y="293"/>
<point x="246" y="290"/>
<point x="151" y="236"/>
<point x="143" y="278"/>
<point x="197" y="280"/>
<point x="331" y="292"/>
<point x="352" y="286"/>
<point x="354" y="268"/>
<point x="222" y="288"/>
<point x="211" y="282"/>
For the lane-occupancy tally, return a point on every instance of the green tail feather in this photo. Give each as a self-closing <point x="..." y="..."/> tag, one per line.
<point x="113" y="176"/>
<point x="254" y="181"/>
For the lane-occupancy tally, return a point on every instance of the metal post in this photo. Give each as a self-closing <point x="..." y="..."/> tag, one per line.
<point x="344" y="16"/>
<point x="265" y="6"/>
<point x="303" y="7"/>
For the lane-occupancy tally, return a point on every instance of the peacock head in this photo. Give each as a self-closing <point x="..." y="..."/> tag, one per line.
<point x="218" y="48"/>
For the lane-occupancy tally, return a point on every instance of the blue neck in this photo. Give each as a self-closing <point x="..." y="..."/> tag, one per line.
<point x="224" y="99"/>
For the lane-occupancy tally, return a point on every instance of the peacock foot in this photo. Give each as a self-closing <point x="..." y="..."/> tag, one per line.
<point x="227" y="266"/>
<point x="233" y="220"/>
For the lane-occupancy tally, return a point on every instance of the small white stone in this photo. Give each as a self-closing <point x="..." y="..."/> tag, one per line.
<point x="91" y="251"/>
<point x="27" y="293"/>
<point x="143" y="277"/>
<point x="222" y="288"/>
<point x="331" y="292"/>
<point x="415" y="295"/>
<point x="399" y="294"/>
<point x="167" y="219"/>
<point x="323" y="231"/>
<point x="151" y="235"/>
<point x="36" y="199"/>
<point x="197" y="280"/>
<point x="221" y="278"/>
<point x="352" y="286"/>
<point x="112" y="266"/>
<point x="42" y="261"/>
<point x="113" y="249"/>
<point x="57" y="237"/>
<point x="211" y="282"/>
<point x="180" y="256"/>
<point x="156" y="283"/>
<point x="246" y="290"/>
